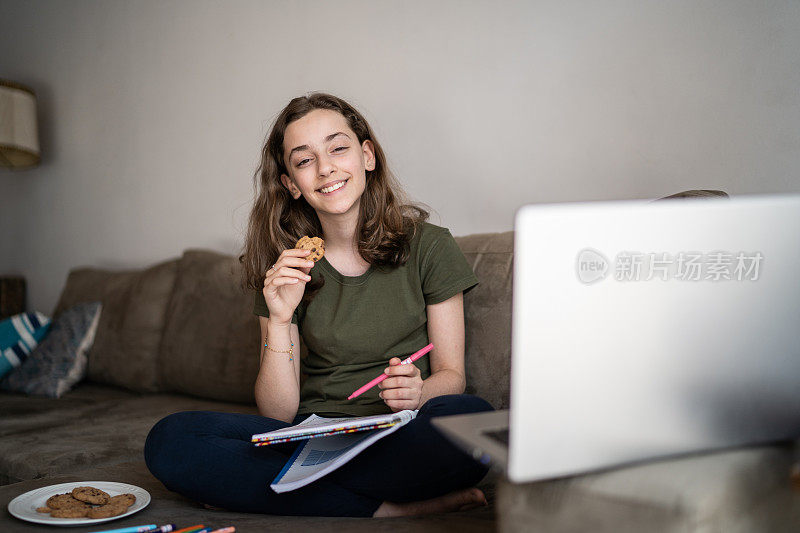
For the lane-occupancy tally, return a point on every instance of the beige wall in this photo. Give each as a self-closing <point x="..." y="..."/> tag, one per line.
<point x="152" y="113"/>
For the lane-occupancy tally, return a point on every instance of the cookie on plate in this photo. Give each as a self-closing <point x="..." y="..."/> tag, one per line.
<point x="63" y="501"/>
<point x="71" y="512"/>
<point x="90" y="495"/>
<point x="108" y="510"/>
<point x="127" y="499"/>
<point x="315" y="244"/>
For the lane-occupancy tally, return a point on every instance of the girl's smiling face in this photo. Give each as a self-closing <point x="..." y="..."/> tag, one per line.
<point x="325" y="162"/>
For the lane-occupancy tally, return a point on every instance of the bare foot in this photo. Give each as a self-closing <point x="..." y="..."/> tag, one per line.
<point x="460" y="500"/>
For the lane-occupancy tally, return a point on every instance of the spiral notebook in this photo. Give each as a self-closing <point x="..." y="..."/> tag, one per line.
<point x="330" y="443"/>
<point x="317" y="426"/>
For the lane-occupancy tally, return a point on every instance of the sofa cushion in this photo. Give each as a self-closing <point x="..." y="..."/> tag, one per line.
<point x="211" y="339"/>
<point x="487" y="315"/>
<point x="59" y="362"/>
<point x="93" y="425"/>
<point x="125" y="351"/>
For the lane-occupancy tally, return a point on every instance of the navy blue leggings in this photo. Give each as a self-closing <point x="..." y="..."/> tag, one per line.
<point x="208" y="457"/>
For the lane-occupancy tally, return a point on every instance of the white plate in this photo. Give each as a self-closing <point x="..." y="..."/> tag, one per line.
<point x="24" y="506"/>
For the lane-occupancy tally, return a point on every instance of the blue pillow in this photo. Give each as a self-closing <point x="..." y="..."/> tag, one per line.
<point x="59" y="362"/>
<point x="19" y="335"/>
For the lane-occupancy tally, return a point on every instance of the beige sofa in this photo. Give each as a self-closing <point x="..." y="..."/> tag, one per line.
<point x="181" y="335"/>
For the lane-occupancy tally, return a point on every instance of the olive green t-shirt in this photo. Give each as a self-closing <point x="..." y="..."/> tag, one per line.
<point x="355" y="324"/>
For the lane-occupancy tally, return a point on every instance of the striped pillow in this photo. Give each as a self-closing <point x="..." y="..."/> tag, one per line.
<point x="59" y="362"/>
<point x="19" y="335"/>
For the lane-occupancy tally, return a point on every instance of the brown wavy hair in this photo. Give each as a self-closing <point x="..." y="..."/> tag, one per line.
<point x="387" y="221"/>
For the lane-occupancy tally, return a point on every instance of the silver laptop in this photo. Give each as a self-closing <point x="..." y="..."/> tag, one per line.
<point x="643" y="330"/>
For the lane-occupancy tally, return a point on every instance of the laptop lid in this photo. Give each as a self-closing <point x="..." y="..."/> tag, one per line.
<point x="643" y="330"/>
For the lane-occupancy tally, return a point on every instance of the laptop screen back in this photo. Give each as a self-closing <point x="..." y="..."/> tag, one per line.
<point x="643" y="330"/>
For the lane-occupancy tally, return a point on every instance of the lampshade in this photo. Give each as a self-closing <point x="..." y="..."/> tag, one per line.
<point x="19" y="137"/>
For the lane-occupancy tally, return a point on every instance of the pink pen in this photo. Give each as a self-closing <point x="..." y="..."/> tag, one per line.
<point x="410" y="359"/>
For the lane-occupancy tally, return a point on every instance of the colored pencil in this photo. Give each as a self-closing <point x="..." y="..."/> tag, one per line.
<point x="191" y="529"/>
<point x="132" y="529"/>
<point x="410" y="359"/>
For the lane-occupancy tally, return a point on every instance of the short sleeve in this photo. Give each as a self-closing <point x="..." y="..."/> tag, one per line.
<point x="260" y="307"/>
<point x="444" y="269"/>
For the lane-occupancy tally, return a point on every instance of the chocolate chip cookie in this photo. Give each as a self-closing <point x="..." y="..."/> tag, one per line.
<point x="88" y="502"/>
<point x="315" y="244"/>
<point x="90" y="495"/>
<point x="71" y="512"/>
<point x="107" y="511"/>
<point x="63" y="501"/>
<point x="127" y="499"/>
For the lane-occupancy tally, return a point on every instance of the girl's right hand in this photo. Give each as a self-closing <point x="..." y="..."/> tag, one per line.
<point x="285" y="283"/>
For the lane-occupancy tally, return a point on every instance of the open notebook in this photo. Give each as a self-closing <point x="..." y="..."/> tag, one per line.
<point x="330" y="443"/>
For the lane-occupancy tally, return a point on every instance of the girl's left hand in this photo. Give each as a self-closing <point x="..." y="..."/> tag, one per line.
<point x="403" y="388"/>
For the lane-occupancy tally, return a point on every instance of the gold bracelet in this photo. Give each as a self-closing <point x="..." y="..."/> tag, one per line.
<point x="290" y="351"/>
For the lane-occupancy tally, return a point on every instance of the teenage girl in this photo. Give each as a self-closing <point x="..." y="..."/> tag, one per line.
<point x="388" y="284"/>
